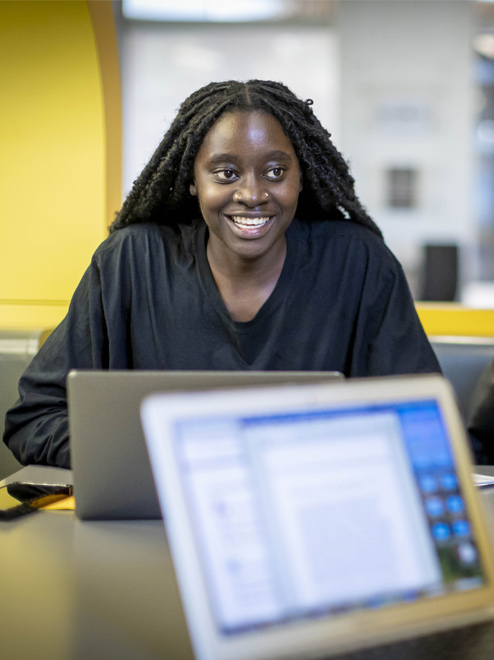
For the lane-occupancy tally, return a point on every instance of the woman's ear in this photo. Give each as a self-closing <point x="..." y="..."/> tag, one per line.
<point x="193" y="189"/>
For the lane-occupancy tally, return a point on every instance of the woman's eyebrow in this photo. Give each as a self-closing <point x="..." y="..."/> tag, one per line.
<point x="278" y="155"/>
<point x="275" y="154"/>
<point x="216" y="159"/>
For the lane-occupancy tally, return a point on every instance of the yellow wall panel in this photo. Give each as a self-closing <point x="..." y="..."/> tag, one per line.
<point x="26" y="316"/>
<point x="455" y="320"/>
<point x="52" y="158"/>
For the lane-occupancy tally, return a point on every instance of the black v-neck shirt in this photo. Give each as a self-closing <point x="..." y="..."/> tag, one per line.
<point x="251" y="340"/>
<point x="149" y="301"/>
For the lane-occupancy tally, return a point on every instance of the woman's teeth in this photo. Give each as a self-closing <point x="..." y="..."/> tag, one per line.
<point x="249" y="222"/>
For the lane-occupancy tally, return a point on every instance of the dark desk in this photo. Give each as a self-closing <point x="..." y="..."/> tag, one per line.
<point x="72" y="590"/>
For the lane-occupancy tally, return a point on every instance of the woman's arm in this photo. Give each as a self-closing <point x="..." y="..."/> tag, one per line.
<point x="36" y="428"/>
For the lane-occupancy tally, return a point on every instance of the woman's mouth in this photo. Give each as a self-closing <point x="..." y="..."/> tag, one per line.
<point x="250" y="223"/>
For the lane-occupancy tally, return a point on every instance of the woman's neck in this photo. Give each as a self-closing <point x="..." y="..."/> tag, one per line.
<point x="244" y="284"/>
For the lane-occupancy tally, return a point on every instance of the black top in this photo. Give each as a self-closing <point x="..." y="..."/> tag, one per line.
<point x="149" y="301"/>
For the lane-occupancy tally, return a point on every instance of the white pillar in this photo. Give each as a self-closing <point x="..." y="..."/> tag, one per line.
<point x="407" y="102"/>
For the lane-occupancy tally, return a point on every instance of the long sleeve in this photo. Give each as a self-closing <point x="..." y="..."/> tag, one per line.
<point x="36" y="429"/>
<point x="118" y="319"/>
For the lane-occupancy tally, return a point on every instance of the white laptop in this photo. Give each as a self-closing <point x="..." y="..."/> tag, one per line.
<point x="110" y="464"/>
<point x="313" y="520"/>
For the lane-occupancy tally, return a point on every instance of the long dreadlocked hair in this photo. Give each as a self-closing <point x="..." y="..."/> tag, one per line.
<point x="161" y="193"/>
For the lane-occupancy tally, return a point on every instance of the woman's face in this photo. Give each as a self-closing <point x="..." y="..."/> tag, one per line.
<point x="247" y="180"/>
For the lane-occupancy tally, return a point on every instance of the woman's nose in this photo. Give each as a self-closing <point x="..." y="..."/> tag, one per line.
<point x="252" y="192"/>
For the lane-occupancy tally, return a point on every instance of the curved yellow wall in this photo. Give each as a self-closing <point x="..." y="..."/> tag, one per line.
<point x="54" y="192"/>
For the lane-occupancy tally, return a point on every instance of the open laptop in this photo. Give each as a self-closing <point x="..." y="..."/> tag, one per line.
<point x="111" y="472"/>
<point x="313" y="520"/>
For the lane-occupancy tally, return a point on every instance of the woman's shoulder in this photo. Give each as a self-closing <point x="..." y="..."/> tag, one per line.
<point x="146" y="237"/>
<point x="334" y="235"/>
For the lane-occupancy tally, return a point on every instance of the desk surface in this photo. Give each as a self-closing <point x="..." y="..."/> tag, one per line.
<point x="75" y="590"/>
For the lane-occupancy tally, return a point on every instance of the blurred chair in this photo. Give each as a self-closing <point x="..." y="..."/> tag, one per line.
<point x="462" y="361"/>
<point x="440" y="277"/>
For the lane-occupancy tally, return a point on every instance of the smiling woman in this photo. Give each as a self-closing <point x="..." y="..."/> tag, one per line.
<point x="242" y="245"/>
<point x="247" y="180"/>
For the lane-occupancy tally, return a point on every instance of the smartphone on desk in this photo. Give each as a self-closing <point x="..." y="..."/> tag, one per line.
<point x="19" y="497"/>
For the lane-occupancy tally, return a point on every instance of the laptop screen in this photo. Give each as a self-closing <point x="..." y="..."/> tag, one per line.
<point x="322" y="512"/>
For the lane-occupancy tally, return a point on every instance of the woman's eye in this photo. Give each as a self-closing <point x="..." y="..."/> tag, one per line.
<point x="275" y="173"/>
<point x="225" y="175"/>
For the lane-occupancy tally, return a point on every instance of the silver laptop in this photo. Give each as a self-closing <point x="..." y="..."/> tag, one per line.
<point x="313" y="520"/>
<point x="110" y="464"/>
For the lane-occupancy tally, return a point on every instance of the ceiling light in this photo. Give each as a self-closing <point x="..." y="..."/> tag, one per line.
<point x="203" y="10"/>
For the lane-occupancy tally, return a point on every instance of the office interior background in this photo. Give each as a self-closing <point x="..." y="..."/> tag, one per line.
<point x="406" y="87"/>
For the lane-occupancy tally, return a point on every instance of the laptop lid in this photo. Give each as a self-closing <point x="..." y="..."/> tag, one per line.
<point x="312" y="520"/>
<point x="111" y="471"/>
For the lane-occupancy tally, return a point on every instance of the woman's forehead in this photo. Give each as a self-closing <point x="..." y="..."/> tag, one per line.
<point x="245" y="132"/>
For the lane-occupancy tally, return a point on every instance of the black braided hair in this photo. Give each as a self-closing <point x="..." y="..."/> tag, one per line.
<point x="161" y="193"/>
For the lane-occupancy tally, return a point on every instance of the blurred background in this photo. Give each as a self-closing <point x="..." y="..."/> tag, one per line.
<point x="406" y="87"/>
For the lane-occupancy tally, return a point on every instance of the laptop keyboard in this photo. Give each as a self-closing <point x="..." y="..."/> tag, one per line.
<point x="470" y="643"/>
